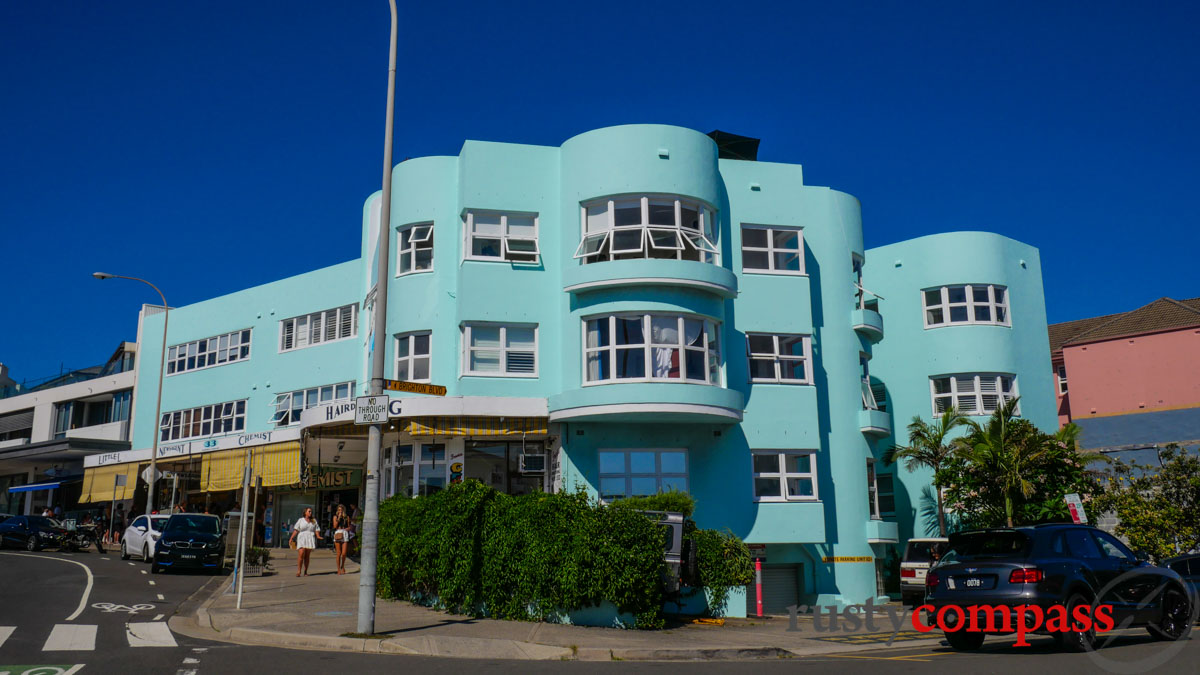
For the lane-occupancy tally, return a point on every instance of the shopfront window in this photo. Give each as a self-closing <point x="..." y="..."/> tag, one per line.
<point x="514" y="468"/>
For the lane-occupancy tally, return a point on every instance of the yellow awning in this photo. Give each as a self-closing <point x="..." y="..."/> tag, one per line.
<point x="98" y="483"/>
<point x="277" y="464"/>
<point x="476" y="426"/>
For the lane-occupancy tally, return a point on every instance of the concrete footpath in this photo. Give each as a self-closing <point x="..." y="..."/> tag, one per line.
<point x="318" y="611"/>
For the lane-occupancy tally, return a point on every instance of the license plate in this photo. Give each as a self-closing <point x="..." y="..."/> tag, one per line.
<point x="187" y="556"/>
<point x="973" y="582"/>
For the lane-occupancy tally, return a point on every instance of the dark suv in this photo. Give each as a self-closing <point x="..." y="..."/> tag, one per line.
<point x="1066" y="565"/>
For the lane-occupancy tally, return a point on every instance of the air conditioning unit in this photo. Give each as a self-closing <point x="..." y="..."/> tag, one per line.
<point x="533" y="463"/>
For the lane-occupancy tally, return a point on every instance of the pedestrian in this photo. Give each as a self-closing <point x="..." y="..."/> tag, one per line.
<point x="58" y="511"/>
<point x="118" y="524"/>
<point x="47" y="513"/>
<point x="342" y="533"/>
<point x="305" y="534"/>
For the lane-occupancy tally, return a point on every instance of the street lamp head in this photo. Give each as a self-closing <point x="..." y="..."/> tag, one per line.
<point x="102" y="275"/>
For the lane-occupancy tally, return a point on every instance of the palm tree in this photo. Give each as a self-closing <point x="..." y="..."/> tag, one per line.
<point x="1009" y="458"/>
<point x="927" y="447"/>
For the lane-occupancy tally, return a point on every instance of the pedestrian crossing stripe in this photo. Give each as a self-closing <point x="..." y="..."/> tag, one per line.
<point x="65" y="637"/>
<point x="71" y="638"/>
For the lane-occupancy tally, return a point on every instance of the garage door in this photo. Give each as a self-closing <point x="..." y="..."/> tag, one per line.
<point x="781" y="589"/>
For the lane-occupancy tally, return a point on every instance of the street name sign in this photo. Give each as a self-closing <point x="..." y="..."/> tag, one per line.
<point x="414" y="387"/>
<point x="371" y="409"/>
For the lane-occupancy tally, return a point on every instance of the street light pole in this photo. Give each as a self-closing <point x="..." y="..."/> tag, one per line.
<point x="162" y="367"/>
<point x="370" y="534"/>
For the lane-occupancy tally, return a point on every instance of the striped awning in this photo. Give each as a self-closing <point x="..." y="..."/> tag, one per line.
<point x="475" y="426"/>
<point x="98" y="483"/>
<point x="277" y="464"/>
<point x="445" y="426"/>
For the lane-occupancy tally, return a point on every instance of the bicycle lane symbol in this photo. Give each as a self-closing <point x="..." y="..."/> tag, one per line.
<point x="110" y="608"/>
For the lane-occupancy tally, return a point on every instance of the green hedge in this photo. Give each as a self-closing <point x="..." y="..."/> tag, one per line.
<point x="535" y="557"/>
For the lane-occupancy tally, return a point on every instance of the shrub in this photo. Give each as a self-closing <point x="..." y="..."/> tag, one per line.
<point x="722" y="563"/>
<point x="673" y="500"/>
<point x="526" y="557"/>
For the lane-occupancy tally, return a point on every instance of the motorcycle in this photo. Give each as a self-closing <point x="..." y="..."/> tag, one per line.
<point x="81" y="536"/>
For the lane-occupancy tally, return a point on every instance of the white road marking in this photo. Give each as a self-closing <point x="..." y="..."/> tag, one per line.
<point x="186" y="671"/>
<point x="199" y="650"/>
<point x="145" y="572"/>
<point x="5" y="633"/>
<point x="74" y="669"/>
<point x="149" y="634"/>
<point x="158" y="617"/>
<point x="189" y="661"/>
<point x="160" y="596"/>
<point x="87" y="589"/>
<point x="152" y="583"/>
<point x="71" y="638"/>
<point x="130" y="564"/>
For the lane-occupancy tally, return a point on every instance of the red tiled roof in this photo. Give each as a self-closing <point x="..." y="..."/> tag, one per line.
<point x="1162" y="314"/>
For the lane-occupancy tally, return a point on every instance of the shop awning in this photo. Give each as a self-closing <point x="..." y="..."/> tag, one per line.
<point x="98" y="483"/>
<point x="476" y="426"/>
<point x="35" y="487"/>
<point x="277" y="464"/>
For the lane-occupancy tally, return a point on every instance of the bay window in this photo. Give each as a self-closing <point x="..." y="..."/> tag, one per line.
<point x="629" y="227"/>
<point x="642" y="347"/>
<point x="971" y="393"/>
<point x="967" y="304"/>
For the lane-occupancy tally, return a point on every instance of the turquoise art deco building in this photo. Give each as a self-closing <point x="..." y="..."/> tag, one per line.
<point x="627" y="313"/>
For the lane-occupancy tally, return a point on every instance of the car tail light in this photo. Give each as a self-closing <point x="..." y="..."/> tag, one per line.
<point x="931" y="580"/>
<point x="908" y="574"/>
<point x="1026" y="576"/>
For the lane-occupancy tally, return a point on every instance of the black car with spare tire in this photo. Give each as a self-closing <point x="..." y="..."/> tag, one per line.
<point x="1003" y="581"/>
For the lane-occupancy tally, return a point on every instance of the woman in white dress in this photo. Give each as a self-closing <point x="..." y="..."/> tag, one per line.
<point x="305" y="534"/>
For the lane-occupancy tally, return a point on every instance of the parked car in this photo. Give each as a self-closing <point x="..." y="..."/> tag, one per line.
<point x="4" y="517"/>
<point x="141" y="535"/>
<point x="190" y="540"/>
<point x="919" y="554"/>
<point x="33" y="533"/>
<point x="1046" y="565"/>
<point x="1188" y="567"/>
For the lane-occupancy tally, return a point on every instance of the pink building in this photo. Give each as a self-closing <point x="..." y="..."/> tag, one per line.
<point x="1131" y="380"/>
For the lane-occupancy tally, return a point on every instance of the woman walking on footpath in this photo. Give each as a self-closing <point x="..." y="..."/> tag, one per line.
<point x="341" y="537"/>
<point x="305" y="534"/>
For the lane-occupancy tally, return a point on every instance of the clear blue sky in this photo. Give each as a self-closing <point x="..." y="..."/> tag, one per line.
<point x="214" y="146"/>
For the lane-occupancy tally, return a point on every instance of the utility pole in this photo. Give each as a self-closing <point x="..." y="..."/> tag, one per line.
<point x="370" y="533"/>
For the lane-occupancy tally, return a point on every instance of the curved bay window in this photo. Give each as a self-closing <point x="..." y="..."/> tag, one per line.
<point x="643" y="347"/>
<point x="654" y="226"/>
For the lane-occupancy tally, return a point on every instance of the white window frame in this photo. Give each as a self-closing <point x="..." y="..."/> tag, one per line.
<point x="309" y="323"/>
<point x="178" y="423"/>
<point x="783" y="474"/>
<point x="506" y="254"/>
<point x="771" y="250"/>
<point x="390" y="466"/>
<point x="422" y="233"/>
<point x="284" y="404"/>
<point x="178" y="355"/>
<point x="685" y="238"/>
<point x="994" y="382"/>
<point x="412" y="357"/>
<point x="658" y="475"/>
<point x="1060" y="373"/>
<point x="779" y="358"/>
<point x="467" y="329"/>
<point x="712" y="355"/>
<point x="970" y="303"/>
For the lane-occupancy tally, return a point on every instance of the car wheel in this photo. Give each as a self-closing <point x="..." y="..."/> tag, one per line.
<point x="31" y="544"/>
<point x="1077" y="641"/>
<point x="146" y="554"/>
<point x="155" y="568"/>
<point x="963" y="641"/>
<point x="1175" y="623"/>
<point x="124" y="552"/>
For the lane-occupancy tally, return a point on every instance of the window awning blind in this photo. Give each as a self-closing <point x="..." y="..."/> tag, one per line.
<point x="98" y="483"/>
<point x="277" y="464"/>
<point x="476" y="426"/>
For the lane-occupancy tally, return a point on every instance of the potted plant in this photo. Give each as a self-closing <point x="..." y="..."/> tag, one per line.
<point x="257" y="561"/>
